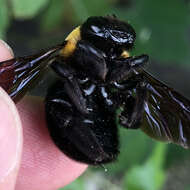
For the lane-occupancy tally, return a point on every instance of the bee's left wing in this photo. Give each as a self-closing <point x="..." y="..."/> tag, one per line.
<point x="166" y="113"/>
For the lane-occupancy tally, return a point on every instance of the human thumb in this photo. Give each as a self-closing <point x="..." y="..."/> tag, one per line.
<point x="10" y="135"/>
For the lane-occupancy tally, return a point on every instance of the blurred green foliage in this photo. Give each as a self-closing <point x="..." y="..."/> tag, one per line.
<point x="53" y="15"/>
<point x="4" y="18"/>
<point x="163" y="31"/>
<point x="22" y="9"/>
<point x="166" y="22"/>
<point x="149" y="176"/>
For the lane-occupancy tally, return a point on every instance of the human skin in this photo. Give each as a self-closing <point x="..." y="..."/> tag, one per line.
<point x="28" y="157"/>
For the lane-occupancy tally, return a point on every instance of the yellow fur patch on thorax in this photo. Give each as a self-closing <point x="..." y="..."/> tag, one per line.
<point x="125" y="54"/>
<point x="72" y="40"/>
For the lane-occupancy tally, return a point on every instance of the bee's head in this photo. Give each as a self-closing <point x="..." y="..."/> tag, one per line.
<point x="108" y="33"/>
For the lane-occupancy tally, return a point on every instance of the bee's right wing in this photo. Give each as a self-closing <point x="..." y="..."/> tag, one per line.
<point x="17" y="74"/>
<point x="166" y="113"/>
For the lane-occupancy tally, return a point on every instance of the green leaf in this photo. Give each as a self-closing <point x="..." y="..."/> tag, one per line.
<point x="187" y="187"/>
<point x="77" y="184"/>
<point x="149" y="176"/>
<point x="4" y="18"/>
<point x="23" y="9"/>
<point x="98" y="7"/>
<point x="53" y="15"/>
<point x="80" y="10"/>
<point x="84" y="9"/>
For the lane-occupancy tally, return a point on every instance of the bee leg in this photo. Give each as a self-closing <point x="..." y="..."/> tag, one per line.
<point x="71" y="85"/>
<point x="124" y="68"/>
<point x="89" y="59"/>
<point x="131" y="116"/>
<point x="89" y="138"/>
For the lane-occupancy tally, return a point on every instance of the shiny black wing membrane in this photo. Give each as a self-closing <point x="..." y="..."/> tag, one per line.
<point x="18" y="74"/>
<point x="167" y="113"/>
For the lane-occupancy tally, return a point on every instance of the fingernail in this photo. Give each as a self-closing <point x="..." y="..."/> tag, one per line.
<point x="10" y="138"/>
<point x="3" y="44"/>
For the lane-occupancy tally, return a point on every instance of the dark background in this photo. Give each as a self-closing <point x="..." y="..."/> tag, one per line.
<point x="163" y="32"/>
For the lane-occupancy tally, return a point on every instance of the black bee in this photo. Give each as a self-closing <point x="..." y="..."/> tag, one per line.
<point x="99" y="84"/>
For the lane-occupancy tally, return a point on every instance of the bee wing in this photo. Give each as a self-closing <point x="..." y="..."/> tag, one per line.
<point x="167" y="113"/>
<point x="17" y="75"/>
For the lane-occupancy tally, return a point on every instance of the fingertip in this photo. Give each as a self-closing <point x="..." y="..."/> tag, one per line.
<point x="11" y="141"/>
<point x="42" y="161"/>
<point x="5" y="51"/>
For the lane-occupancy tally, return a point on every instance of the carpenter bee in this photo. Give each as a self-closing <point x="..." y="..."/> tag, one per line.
<point x="98" y="84"/>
